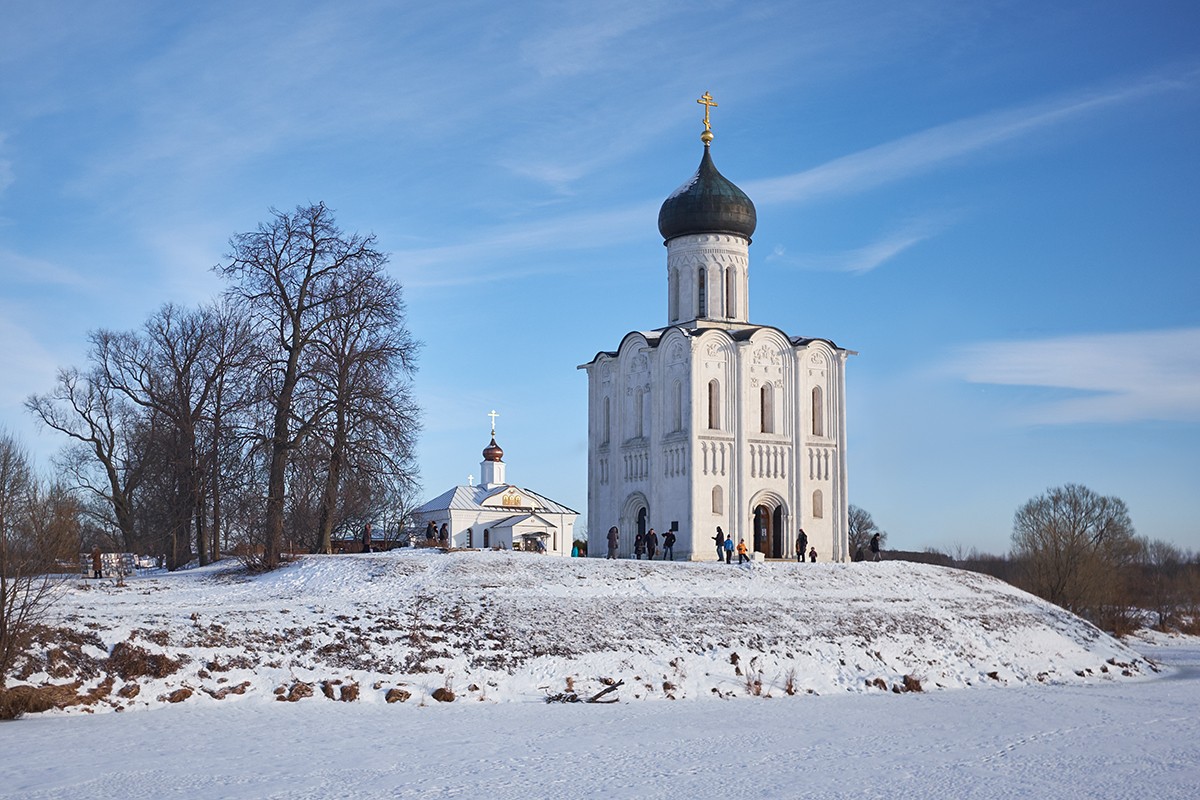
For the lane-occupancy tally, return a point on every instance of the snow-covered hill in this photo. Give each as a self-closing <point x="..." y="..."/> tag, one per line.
<point x="502" y="626"/>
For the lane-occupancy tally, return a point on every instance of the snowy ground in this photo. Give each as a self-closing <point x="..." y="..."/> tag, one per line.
<point x="1069" y="713"/>
<point x="515" y="627"/>
<point x="1134" y="739"/>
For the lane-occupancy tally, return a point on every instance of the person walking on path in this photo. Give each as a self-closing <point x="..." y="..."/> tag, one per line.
<point x="875" y="547"/>
<point x="651" y="544"/>
<point x="669" y="545"/>
<point x="728" y="549"/>
<point x="614" y="538"/>
<point x="639" y="545"/>
<point x="720" y="540"/>
<point x="741" y="548"/>
<point x="97" y="563"/>
<point x="812" y="555"/>
<point x="801" y="545"/>
<point x="366" y="538"/>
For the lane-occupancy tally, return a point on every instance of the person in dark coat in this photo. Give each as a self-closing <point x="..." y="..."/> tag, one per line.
<point x="430" y="532"/>
<point x="812" y="555"/>
<point x="801" y="545"/>
<point x="444" y="535"/>
<point x="614" y="538"/>
<point x="651" y="544"/>
<point x="720" y="540"/>
<point x="669" y="545"/>
<point x="639" y="545"/>
<point x="875" y="547"/>
<point x="97" y="563"/>
<point x="366" y="538"/>
<point x="729" y="550"/>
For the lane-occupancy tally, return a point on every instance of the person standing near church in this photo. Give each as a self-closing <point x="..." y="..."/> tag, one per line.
<point x="728" y="549"/>
<point x="444" y="535"/>
<point x="669" y="545"/>
<point x="651" y="544"/>
<point x="875" y="547"/>
<point x="801" y="545"/>
<point x="741" y="548"/>
<point x="366" y="538"/>
<point x="720" y="540"/>
<point x="812" y="555"/>
<point x="639" y="545"/>
<point x="614" y="538"/>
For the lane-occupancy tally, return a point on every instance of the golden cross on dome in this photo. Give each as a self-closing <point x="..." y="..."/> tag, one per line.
<point x="708" y="103"/>
<point x="493" y="415"/>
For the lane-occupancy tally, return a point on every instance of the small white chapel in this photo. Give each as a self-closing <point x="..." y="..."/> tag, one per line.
<point x="712" y="420"/>
<point x="496" y="514"/>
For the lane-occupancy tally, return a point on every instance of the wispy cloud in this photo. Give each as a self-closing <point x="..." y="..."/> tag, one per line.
<point x="1124" y="377"/>
<point x="866" y="258"/>
<point x="944" y="144"/>
<point x="18" y="268"/>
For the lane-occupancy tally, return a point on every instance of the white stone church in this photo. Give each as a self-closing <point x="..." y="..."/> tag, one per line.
<point x="713" y="420"/>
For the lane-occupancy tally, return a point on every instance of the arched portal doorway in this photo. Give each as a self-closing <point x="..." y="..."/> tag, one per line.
<point x="634" y="520"/>
<point x="768" y="523"/>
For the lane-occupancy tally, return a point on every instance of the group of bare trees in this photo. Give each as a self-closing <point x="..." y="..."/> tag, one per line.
<point x="39" y="526"/>
<point x="269" y="419"/>
<point x="1079" y="549"/>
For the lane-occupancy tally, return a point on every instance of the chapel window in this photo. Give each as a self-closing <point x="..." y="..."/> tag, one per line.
<point x="818" y="505"/>
<point x="487" y="537"/>
<point x="702" y="289"/>
<point x="714" y="405"/>
<point x="718" y="500"/>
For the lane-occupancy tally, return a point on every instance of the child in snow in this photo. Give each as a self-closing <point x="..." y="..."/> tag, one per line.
<point x="741" y="548"/>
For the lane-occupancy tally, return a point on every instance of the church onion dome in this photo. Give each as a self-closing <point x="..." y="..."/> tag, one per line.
<point x="708" y="203"/>
<point x="493" y="452"/>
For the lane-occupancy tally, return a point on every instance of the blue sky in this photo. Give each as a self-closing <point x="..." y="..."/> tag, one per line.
<point x="996" y="204"/>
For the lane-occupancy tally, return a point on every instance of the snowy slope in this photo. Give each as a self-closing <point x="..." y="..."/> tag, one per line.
<point x="502" y="626"/>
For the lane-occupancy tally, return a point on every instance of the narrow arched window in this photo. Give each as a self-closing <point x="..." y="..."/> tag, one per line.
<point x="718" y="500"/>
<point x="702" y="291"/>
<point x="714" y="405"/>
<point x="731" y="292"/>
<point x="818" y="412"/>
<point x="604" y="434"/>
<point x="766" y="407"/>
<point x="818" y="505"/>
<point x="639" y="403"/>
<point x="677" y="406"/>
<point x="487" y="537"/>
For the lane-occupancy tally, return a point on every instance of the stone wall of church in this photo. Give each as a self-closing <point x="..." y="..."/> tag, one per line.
<point x="713" y="430"/>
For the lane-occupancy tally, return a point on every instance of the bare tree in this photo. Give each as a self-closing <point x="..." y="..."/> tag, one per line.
<point x="861" y="528"/>
<point x="292" y="273"/>
<point x="363" y="368"/>
<point x="1071" y="544"/>
<point x="105" y="461"/>
<point x="172" y="369"/>
<point x="24" y="583"/>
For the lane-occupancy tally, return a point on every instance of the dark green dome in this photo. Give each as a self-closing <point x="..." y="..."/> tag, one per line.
<point x="708" y="203"/>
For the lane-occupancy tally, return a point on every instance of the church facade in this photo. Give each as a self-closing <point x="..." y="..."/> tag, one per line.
<point x="713" y="421"/>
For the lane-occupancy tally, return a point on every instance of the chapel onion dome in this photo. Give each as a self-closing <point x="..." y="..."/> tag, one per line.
<point x="708" y="203"/>
<point x="493" y="452"/>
